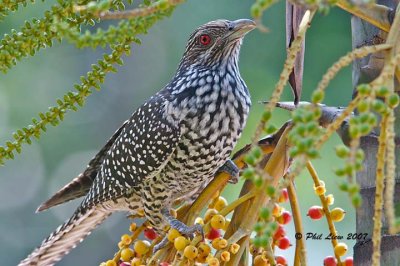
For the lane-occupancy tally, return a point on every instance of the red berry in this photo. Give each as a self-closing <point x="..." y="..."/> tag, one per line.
<point x="281" y="260"/>
<point x="124" y="264"/>
<point x="150" y="234"/>
<point x="330" y="261"/>
<point x="285" y="218"/>
<point x="348" y="261"/>
<point x="165" y="264"/>
<point x="280" y="232"/>
<point x="315" y="212"/>
<point x="283" y="243"/>
<point x="213" y="234"/>
<point x="284" y="196"/>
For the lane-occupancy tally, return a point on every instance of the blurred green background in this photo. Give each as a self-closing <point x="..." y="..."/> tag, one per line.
<point x="63" y="151"/>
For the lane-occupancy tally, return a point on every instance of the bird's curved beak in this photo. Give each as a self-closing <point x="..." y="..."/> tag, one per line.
<point x="239" y="28"/>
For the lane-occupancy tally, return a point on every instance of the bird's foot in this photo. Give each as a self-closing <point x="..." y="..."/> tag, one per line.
<point x="182" y="228"/>
<point x="231" y="169"/>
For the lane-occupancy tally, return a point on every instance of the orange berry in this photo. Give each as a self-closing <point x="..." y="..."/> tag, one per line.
<point x="209" y="214"/>
<point x="277" y="210"/>
<point x="260" y="260"/>
<point x="234" y="248"/>
<point x="132" y="227"/>
<point x="213" y="262"/>
<point x="126" y="239"/>
<point x="111" y="263"/>
<point x="127" y="254"/>
<point x="141" y="247"/>
<point x="217" y="221"/>
<point x="284" y="196"/>
<point x="172" y="234"/>
<point x="225" y="256"/>
<point x="330" y="199"/>
<point x="220" y="204"/>
<point x="190" y="252"/>
<point x="180" y="242"/>
<point x="219" y="243"/>
<point x="204" y="249"/>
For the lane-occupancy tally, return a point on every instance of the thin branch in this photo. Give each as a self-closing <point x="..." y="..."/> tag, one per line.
<point x="138" y="12"/>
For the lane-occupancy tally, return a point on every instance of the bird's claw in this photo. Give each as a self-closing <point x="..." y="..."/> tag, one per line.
<point x="161" y="245"/>
<point x="231" y="169"/>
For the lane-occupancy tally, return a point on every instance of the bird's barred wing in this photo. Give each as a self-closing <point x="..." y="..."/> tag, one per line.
<point x="140" y="151"/>
<point x="80" y="185"/>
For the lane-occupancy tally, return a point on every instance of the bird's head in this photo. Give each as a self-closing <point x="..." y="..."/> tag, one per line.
<point x="215" y="43"/>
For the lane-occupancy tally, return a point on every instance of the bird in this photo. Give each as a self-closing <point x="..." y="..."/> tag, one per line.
<point x="168" y="150"/>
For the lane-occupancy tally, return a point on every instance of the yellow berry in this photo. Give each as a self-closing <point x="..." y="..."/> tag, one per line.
<point x="213" y="262"/>
<point x="190" y="252"/>
<point x="225" y="256"/>
<point x="204" y="249"/>
<point x="111" y="263"/>
<point x="103" y="264"/>
<point x="172" y="234"/>
<point x="218" y="221"/>
<point x="337" y="214"/>
<point x="234" y="248"/>
<point x="126" y="239"/>
<point x="320" y="190"/>
<point x="209" y="214"/>
<point x="220" y="204"/>
<point x="199" y="220"/>
<point x="132" y="227"/>
<point x="330" y="199"/>
<point x="121" y="245"/>
<point x="141" y="247"/>
<point x="127" y="254"/>
<point x="136" y="262"/>
<point x="340" y="249"/>
<point x="260" y="260"/>
<point x="180" y="242"/>
<point x="219" y="243"/>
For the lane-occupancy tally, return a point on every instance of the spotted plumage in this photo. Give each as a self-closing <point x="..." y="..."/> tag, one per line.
<point x="169" y="149"/>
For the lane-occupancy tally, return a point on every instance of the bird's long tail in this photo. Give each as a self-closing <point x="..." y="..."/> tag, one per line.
<point x="66" y="237"/>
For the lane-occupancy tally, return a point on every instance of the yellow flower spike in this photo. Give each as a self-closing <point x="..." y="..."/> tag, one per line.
<point x="190" y="252"/>
<point x="340" y="249"/>
<point x="141" y="247"/>
<point x="330" y="199"/>
<point x="181" y="242"/>
<point x="136" y="262"/>
<point x="172" y="234"/>
<point x="111" y="263"/>
<point x="126" y="239"/>
<point x="213" y="262"/>
<point x="260" y="260"/>
<point x="234" y="248"/>
<point x="337" y="214"/>
<point x="127" y="254"/>
<point x="225" y="256"/>
<point x="220" y="204"/>
<point x="219" y="243"/>
<point x="132" y="227"/>
<point x="204" y="249"/>
<point x="209" y="214"/>
<point x="218" y="221"/>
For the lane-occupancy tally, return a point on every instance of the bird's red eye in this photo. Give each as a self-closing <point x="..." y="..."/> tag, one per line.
<point x="205" y="39"/>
